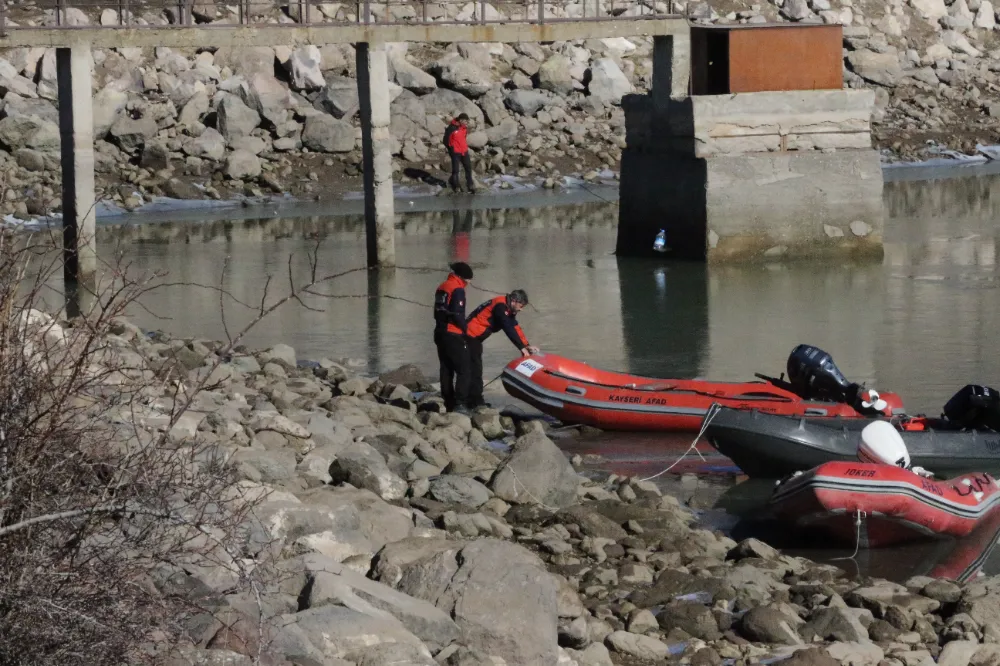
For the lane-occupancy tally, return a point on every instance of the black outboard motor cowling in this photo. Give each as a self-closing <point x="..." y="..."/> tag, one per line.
<point x="814" y="376"/>
<point x="976" y="407"/>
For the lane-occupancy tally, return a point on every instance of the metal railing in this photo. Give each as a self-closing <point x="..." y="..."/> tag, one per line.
<point x="138" y="14"/>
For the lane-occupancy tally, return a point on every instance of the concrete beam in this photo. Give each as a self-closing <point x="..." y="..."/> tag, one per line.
<point x="343" y="33"/>
<point x="76" y="134"/>
<point x="376" y="153"/>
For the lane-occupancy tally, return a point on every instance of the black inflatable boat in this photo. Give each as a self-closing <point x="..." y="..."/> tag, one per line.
<point x="772" y="446"/>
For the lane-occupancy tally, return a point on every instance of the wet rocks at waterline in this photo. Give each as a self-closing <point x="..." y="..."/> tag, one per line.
<point x="406" y="535"/>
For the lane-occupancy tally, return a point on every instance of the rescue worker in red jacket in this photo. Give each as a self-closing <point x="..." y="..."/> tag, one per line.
<point x="494" y="315"/>
<point x="456" y="139"/>
<point x="449" y="337"/>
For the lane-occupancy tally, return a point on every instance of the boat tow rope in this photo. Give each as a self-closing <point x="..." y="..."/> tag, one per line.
<point x="859" y="516"/>
<point x="714" y="409"/>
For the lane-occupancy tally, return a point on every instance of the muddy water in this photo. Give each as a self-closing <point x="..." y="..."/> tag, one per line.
<point x="923" y="322"/>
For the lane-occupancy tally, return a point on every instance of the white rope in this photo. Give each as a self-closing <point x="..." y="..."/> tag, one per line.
<point x="714" y="409"/>
<point x="518" y="481"/>
<point x="859" y="515"/>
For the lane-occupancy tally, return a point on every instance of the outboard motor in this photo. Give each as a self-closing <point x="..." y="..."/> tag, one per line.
<point x="975" y="407"/>
<point x="883" y="445"/>
<point x="814" y="376"/>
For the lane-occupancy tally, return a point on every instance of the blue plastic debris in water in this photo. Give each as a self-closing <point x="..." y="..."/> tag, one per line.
<point x="660" y="244"/>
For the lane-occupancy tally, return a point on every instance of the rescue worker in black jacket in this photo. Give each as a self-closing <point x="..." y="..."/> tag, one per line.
<point x="449" y="336"/>
<point x="496" y="314"/>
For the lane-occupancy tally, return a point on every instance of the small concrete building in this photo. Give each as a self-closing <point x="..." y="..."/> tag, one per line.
<point x="766" y="157"/>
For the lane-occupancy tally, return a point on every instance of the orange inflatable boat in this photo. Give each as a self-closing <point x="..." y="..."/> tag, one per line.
<point x="575" y="392"/>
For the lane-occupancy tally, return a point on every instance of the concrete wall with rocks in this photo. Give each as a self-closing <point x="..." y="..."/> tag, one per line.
<point x="752" y="175"/>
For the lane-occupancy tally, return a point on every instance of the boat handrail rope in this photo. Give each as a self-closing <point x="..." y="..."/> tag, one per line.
<point x="859" y="515"/>
<point x="714" y="409"/>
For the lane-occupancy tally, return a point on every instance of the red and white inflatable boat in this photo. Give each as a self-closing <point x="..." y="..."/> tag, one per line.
<point x="575" y="392"/>
<point x="881" y="505"/>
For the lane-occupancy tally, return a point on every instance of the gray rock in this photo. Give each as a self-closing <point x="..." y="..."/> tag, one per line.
<point x="835" y="624"/>
<point x="465" y="77"/>
<point x="209" y="144"/>
<point x="266" y="466"/>
<point x="247" y="60"/>
<point x="362" y="466"/>
<point x="501" y="596"/>
<point x="767" y="625"/>
<point x="155" y="156"/>
<point x="880" y="68"/>
<point x="268" y="96"/>
<point x="492" y="104"/>
<point x="607" y="81"/>
<point x="752" y="548"/>
<point x="407" y="117"/>
<point x="412" y="77"/>
<point x="333" y="583"/>
<point x="241" y="165"/>
<point x="860" y="228"/>
<point x="536" y="472"/>
<point x="503" y="136"/>
<point x="339" y="97"/>
<point x="595" y="655"/>
<point x="393" y="654"/>
<point x="29" y="132"/>
<point x="194" y="109"/>
<point x="694" y="618"/>
<point x="459" y="490"/>
<point x="554" y="74"/>
<point x="108" y="103"/>
<point x="526" y="102"/>
<point x="796" y="10"/>
<point x="326" y="134"/>
<point x="130" y="134"/>
<point x="235" y="118"/>
<point x="29" y="159"/>
<point x="178" y="189"/>
<point x="449" y="103"/>
<point x="634" y="645"/>
<point x="304" y="67"/>
<point x="340" y="632"/>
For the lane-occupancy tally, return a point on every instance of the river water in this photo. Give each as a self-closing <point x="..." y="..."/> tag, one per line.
<point x="923" y="322"/>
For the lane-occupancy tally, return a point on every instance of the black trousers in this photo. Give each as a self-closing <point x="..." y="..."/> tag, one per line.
<point x="460" y="161"/>
<point x="476" y="372"/>
<point x="453" y="355"/>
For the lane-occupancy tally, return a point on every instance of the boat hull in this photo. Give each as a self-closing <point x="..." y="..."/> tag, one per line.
<point x="774" y="446"/>
<point x="882" y="505"/>
<point x="574" y="392"/>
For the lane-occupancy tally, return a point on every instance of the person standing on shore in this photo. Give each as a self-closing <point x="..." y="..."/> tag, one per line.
<point x="456" y="140"/>
<point x="450" y="339"/>
<point x="499" y="313"/>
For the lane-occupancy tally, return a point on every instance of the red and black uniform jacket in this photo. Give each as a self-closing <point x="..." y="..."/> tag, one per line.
<point x="449" y="306"/>
<point x="492" y="316"/>
<point x="457" y="138"/>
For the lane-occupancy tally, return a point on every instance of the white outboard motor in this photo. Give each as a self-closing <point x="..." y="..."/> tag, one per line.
<point x="882" y="444"/>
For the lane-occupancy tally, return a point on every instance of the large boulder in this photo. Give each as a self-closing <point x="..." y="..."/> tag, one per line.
<point x="461" y="75"/>
<point x="879" y="68"/>
<point x="554" y="74"/>
<point x="267" y="96"/>
<point x="536" y="472"/>
<point x="450" y="103"/>
<point x="343" y="633"/>
<point x="364" y="467"/>
<point x="526" y="102"/>
<point x="242" y="164"/>
<point x="29" y="132"/>
<point x="499" y="594"/>
<point x="339" y="97"/>
<point x="107" y="105"/>
<point x="411" y="77"/>
<point x="407" y="117"/>
<point x="235" y="119"/>
<point x="379" y="521"/>
<point x="246" y="61"/>
<point x="332" y="583"/>
<point x="132" y="133"/>
<point x="326" y="134"/>
<point x="304" y="67"/>
<point x="607" y="81"/>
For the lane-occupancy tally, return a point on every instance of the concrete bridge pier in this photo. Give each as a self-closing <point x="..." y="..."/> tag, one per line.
<point x="76" y="134"/>
<point x="373" y="93"/>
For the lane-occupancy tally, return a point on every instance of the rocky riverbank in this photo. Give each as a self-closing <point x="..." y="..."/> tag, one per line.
<point x="220" y="123"/>
<point x="401" y="534"/>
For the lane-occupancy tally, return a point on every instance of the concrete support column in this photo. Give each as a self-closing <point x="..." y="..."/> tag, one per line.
<point x="76" y="133"/>
<point x="373" y="93"/>
<point x="671" y="69"/>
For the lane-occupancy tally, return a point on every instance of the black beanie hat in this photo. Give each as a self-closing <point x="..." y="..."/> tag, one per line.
<point x="462" y="270"/>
